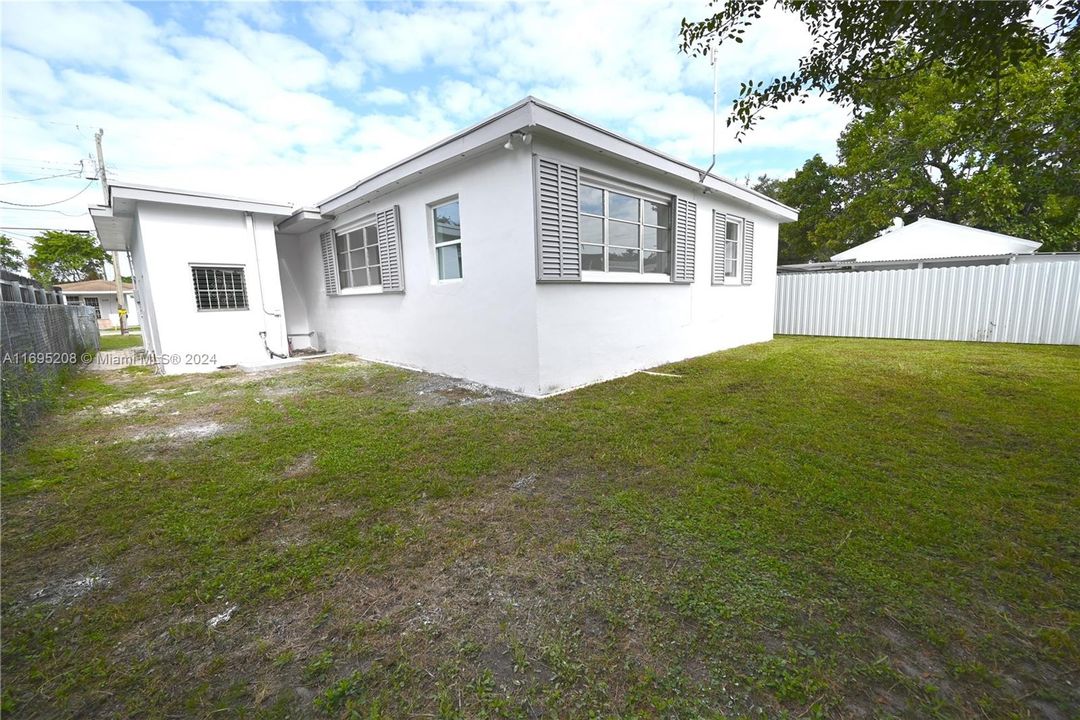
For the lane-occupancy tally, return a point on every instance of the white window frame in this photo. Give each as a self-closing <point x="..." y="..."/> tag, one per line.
<point x="736" y="278"/>
<point x="364" y="222"/>
<point x="435" y="244"/>
<point x="642" y="195"/>
<point x="94" y="302"/>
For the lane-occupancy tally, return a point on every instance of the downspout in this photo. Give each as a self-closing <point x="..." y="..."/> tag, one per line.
<point x="249" y="218"/>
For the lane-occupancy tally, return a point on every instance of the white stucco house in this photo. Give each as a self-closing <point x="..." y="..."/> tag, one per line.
<point x="533" y="252"/>
<point x="101" y="295"/>
<point x="927" y="239"/>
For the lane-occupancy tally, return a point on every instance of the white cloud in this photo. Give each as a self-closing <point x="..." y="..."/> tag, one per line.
<point x="294" y="102"/>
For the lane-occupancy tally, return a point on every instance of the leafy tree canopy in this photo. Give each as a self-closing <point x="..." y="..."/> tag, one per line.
<point x="1001" y="155"/>
<point x="58" y="257"/>
<point x="859" y="47"/>
<point x="11" y="258"/>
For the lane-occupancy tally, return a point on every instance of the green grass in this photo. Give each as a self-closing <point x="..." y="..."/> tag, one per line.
<point x="119" y="342"/>
<point x="804" y="528"/>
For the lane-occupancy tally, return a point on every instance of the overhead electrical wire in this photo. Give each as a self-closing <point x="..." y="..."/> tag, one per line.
<point x="58" y="202"/>
<point x="47" y="177"/>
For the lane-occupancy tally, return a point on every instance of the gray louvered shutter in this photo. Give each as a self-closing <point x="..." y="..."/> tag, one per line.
<point x="685" y="241"/>
<point x="329" y="262"/>
<point x="719" y="247"/>
<point x="748" y="253"/>
<point x="388" y="231"/>
<point x="558" y="249"/>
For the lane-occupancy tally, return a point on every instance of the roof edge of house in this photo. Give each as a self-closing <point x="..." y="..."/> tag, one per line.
<point x="722" y="184"/>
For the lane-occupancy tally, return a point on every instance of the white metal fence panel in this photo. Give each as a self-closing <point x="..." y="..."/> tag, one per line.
<point x="1025" y="302"/>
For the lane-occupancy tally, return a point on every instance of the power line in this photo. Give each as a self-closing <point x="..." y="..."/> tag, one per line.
<point x="58" y="202"/>
<point x="47" y="177"/>
<point x="58" y="212"/>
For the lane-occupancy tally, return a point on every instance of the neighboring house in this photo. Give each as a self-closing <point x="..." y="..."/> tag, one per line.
<point x="925" y="239"/>
<point x="533" y="252"/>
<point x="101" y="295"/>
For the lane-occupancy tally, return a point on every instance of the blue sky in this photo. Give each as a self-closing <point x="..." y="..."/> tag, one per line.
<point x="290" y="102"/>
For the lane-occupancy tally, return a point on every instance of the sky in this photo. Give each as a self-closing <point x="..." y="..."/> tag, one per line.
<point x="290" y="102"/>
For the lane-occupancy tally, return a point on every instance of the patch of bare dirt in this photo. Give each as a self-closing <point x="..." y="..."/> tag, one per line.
<point x="68" y="590"/>
<point x="433" y="391"/>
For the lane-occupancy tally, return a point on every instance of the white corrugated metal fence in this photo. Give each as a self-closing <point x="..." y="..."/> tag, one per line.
<point x="1024" y="302"/>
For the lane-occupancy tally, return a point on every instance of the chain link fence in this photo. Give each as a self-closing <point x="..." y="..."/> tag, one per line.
<point x="39" y="346"/>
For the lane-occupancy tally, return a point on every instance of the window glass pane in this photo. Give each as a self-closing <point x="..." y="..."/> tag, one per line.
<point x="733" y="249"/>
<point x="732" y="231"/>
<point x="623" y="207"/>
<point x="592" y="229"/>
<point x="357" y="259"/>
<point x="592" y="257"/>
<point x="659" y="239"/>
<point x="371" y="236"/>
<point x="657" y="262"/>
<point x="449" y="262"/>
<point x="375" y="275"/>
<point x="591" y="200"/>
<point x="657" y="213"/>
<point x="447" y="223"/>
<point x="623" y="260"/>
<point x="623" y="234"/>
<point x="344" y="279"/>
<point x="359" y="278"/>
<point x="373" y="256"/>
<point x="342" y="243"/>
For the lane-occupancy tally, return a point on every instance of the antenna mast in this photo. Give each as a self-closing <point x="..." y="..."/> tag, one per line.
<point x="712" y="60"/>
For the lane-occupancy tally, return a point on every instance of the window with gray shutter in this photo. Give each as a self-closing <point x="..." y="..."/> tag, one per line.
<point x="719" y="246"/>
<point x="329" y="262"/>
<point x="389" y="229"/>
<point x="748" y="253"/>
<point x="684" y="241"/>
<point x="558" y="248"/>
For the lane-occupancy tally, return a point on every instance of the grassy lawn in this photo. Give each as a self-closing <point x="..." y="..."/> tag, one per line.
<point x="119" y="342"/>
<point x="804" y="528"/>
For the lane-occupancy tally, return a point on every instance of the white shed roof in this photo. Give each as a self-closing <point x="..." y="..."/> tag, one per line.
<point x="925" y="239"/>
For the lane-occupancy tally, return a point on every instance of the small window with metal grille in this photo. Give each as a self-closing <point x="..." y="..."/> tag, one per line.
<point x="219" y="288"/>
<point x="94" y="303"/>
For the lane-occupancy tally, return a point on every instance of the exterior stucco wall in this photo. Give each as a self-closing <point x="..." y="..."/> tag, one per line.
<point x="145" y="295"/>
<point x="173" y="238"/>
<point x="482" y="327"/>
<point x="590" y="332"/>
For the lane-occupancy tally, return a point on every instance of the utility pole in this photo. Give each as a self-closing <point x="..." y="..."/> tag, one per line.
<point x="121" y="310"/>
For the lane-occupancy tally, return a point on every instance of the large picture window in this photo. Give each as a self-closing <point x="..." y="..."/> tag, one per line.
<point x="358" y="257"/>
<point x="624" y="233"/>
<point x="219" y="288"/>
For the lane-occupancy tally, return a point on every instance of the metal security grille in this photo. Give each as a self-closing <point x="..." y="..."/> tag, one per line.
<point x="219" y="288"/>
<point x="96" y="304"/>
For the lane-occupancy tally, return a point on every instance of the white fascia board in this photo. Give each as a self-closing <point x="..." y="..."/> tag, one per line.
<point x="80" y="293"/>
<point x="456" y="147"/>
<point x="607" y="141"/>
<point x="114" y="232"/>
<point x="146" y="193"/>
<point x="302" y="220"/>
<point x="530" y="114"/>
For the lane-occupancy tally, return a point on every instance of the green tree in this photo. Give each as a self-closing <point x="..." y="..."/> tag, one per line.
<point x="58" y="256"/>
<point x="937" y="148"/>
<point x="859" y="47"/>
<point x="11" y="258"/>
<point x="818" y="193"/>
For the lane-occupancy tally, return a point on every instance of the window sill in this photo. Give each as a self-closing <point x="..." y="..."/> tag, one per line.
<point x="593" y="276"/>
<point x="369" y="290"/>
